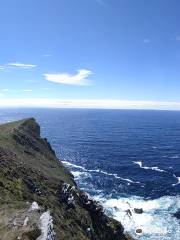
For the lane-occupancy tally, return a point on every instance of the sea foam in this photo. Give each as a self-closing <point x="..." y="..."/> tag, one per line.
<point x="178" y="180"/>
<point x="139" y="163"/>
<point x="156" y="221"/>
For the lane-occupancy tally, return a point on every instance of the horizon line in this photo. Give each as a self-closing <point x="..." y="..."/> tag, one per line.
<point x="88" y="103"/>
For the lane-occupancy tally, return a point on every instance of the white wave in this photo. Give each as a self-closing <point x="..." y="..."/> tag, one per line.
<point x="148" y="168"/>
<point x="159" y="170"/>
<point x="156" y="221"/>
<point x="175" y="157"/>
<point x="138" y="163"/>
<point x="95" y="170"/>
<point x="78" y="174"/>
<point x="178" y="179"/>
<point x="162" y="147"/>
<point x="126" y="179"/>
<point x="114" y="175"/>
<point x="130" y="181"/>
<point x="73" y="165"/>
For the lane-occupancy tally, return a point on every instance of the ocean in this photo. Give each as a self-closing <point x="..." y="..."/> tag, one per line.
<point x="123" y="158"/>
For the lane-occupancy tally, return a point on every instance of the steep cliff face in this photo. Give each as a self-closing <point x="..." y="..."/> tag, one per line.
<point x="38" y="196"/>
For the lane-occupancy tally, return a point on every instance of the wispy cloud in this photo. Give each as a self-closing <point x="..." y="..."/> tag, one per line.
<point x="47" y="55"/>
<point x="89" y="103"/>
<point x="27" y="90"/>
<point x="20" y="65"/>
<point x="5" y="90"/>
<point x="65" y="78"/>
<point x="46" y="89"/>
<point x="146" y="40"/>
<point x="12" y="65"/>
<point x="2" y="67"/>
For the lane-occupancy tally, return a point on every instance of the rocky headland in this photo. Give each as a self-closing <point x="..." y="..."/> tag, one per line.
<point x="39" y="199"/>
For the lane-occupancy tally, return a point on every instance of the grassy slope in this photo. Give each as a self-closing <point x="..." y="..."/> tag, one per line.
<point x="24" y="157"/>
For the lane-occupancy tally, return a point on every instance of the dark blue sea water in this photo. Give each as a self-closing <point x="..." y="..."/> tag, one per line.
<point x="119" y="156"/>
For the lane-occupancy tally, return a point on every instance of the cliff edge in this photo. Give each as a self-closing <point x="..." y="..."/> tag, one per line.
<point x="39" y="199"/>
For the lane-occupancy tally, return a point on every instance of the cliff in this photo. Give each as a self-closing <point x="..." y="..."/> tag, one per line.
<point x="38" y="196"/>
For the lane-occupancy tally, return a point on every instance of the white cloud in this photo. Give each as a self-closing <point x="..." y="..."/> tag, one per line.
<point x="47" y="55"/>
<point x="11" y="65"/>
<point x="89" y="103"/>
<point x="2" y="67"/>
<point x="65" y="78"/>
<point x="5" y="90"/>
<point x="27" y="90"/>
<point x="20" y="65"/>
<point x="45" y="89"/>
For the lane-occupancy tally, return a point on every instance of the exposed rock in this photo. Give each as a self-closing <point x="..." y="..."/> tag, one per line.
<point x="39" y="197"/>
<point x="46" y="227"/>
<point x="139" y="231"/>
<point x="138" y="210"/>
<point x="177" y="214"/>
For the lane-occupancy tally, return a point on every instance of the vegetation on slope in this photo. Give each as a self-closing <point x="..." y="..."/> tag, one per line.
<point x="30" y="172"/>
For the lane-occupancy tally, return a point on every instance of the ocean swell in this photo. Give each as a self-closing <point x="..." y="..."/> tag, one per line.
<point x="78" y="174"/>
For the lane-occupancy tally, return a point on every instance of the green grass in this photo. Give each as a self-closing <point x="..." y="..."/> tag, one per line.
<point x="25" y="155"/>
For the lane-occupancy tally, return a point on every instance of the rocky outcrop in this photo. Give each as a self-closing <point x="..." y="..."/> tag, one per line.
<point x="39" y="198"/>
<point x="177" y="214"/>
<point x="138" y="210"/>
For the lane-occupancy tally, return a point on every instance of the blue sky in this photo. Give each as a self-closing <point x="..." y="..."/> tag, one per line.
<point x="90" y="50"/>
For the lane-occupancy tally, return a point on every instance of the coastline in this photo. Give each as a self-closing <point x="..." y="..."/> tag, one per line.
<point x="37" y="177"/>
